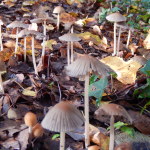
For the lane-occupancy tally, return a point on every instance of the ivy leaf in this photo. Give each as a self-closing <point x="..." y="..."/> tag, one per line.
<point x="96" y="89"/>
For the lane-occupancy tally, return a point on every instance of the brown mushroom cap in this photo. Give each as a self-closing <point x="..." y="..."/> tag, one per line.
<point x="30" y="119"/>
<point x="69" y="37"/>
<point x="17" y="24"/>
<point x="37" y="130"/>
<point x="63" y="117"/>
<point x="116" y="17"/>
<point x="85" y="64"/>
<point x="58" y="10"/>
<point x="114" y="110"/>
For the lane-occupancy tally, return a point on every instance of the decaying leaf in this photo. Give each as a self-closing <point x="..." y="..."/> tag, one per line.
<point x="49" y="44"/>
<point x="28" y="92"/>
<point x="67" y="18"/>
<point x="126" y="71"/>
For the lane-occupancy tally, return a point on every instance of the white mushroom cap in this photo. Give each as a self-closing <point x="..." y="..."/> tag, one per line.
<point x="85" y="64"/>
<point x="58" y="10"/>
<point x="17" y="24"/>
<point x="63" y="117"/>
<point x="116" y="17"/>
<point x="69" y="37"/>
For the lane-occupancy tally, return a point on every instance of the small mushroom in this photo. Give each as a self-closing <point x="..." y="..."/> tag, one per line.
<point x="70" y="38"/>
<point x="37" y="131"/>
<point x="82" y="67"/>
<point x="113" y="110"/>
<point x="35" y="34"/>
<point x="17" y="24"/>
<point x="43" y="21"/>
<point x="57" y="10"/>
<point x="63" y="117"/>
<point x="30" y="120"/>
<point x="115" y="17"/>
<point x="2" y="70"/>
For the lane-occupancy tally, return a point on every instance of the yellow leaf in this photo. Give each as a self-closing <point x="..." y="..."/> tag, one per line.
<point x="27" y="92"/>
<point x="126" y="71"/>
<point x="49" y="44"/>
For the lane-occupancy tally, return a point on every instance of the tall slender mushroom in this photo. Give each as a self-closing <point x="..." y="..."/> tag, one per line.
<point x="82" y="67"/>
<point x="57" y="10"/>
<point x="113" y="110"/>
<point x="115" y="17"/>
<point x="17" y="24"/>
<point x="36" y="34"/>
<point x="63" y="117"/>
<point x="2" y="70"/>
<point x="70" y="38"/>
<point x="43" y="21"/>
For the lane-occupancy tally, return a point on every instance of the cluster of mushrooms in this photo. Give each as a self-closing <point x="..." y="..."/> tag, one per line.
<point x="64" y="116"/>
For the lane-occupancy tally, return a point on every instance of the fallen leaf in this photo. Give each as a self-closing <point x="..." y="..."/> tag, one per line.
<point x="67" y="18"/>
<point x="146" y="42"/>
<point x="126" y="71"/>
<point x="28" y="92"/>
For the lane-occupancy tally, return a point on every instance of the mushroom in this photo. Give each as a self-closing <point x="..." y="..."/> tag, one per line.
<point x="17" y="24"/>
<point x="43" y="21"/>
<point x="30" y="120"/>
<point x="113" y="110"/>
<point x="115" y="17"/>
<point x="63" y="117"/>
<point x="37" y="131"/>
<point x="57" y="10"/>
<point x="82" y="67"/>
<point x="2" y="70"/>
<point x="70" y="38"/>
<point x="35" y="34"/>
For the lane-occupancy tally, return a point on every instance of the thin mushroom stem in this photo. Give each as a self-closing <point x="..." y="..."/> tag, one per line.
<point x="72" y="29"/>
<point x="71" y="52"/>
<point x="111" y="143"/>
<point x="62" y="141"/>
<point x="25" y="48"/>
<point x="44" y="39"/>
<point x="16" y="46"/>
<point x="30" y="130"/>
<point x="115" y="51"/>
<point x="33" y="56"/>
<point x="1" y="84"/>
<point x="58" y="21"/>
<point x="68" y="53"/>
<point x="128" y="39"/>
<point x="1" y="43"/>
<point x="86" y="110"/>
<point x="118" y="43"/>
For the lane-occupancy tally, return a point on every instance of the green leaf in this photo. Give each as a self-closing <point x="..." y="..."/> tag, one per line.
<point x="93" y="79"/>
<point x="118" y="125"/>
<point x="128" y="130"/>
<point x="96" y="89"/>
<point x="55" y="136"/>
<point x="146" y="68"/>
<point x="145" y="106"/>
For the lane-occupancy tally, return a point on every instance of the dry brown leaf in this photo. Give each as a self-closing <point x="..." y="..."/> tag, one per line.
<point x="146" y="42"/>
<point x="126" y="71"/>
<point x="67" y="18"/>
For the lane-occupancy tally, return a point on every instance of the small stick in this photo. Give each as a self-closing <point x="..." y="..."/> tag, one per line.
<point x="25" y="48"/>
<point x="1" y="43"/>
<point x="86" y="111"/>
<point x="62" y="140"/>
<point x="16" y="46"/>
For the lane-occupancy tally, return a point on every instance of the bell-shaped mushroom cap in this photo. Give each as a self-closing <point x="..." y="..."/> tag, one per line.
<point x="63" y="117"/>
<point x="115" y="110"/>
<point x="69" y="37"/>
<point x="26" y="32"/>
<point x="85" y="64"/>
<point x="58" y="10"/>
<point x="30" y="119"/>
<point x="116" y="17"/>
<point x="41" y="20"/>
<point x="17" y="24"/>
<point x="2" y="66"/>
